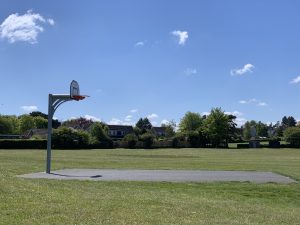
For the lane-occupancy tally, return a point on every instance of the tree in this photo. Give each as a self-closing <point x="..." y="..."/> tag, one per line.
<point x="9" y="125"/>
<point x="190" y="122"/>
<point x="99" y="133"/>
<point x="232" y="131"/>
<point x="65" y="137"/>
<point x="131" y="140"/>
<point x="261" y="129"/>
<point x="291" y="121"/>
<point x="38" y="113"/>
<point x="169" y="128"/>
<point x="217" y="126"/>
<point x="292" y="135"/>
<point x="288" y="122"/>
<point x="247" y="129"/>
<point x="79" y="123"/>
<point x="40" y="122"/>
<point x="55" y="123"/>
<point x="26" y="123"/>
<point x="5" y="126"/>
<point x="144" y="125"/>
<point x="147" y="139"/>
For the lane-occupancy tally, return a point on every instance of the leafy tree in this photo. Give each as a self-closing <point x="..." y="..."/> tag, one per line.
<point x="292" y="135"/>
<point x="278" y="129"/>
<point x="190" y="122"/>
<point x="261" y="129"/>
<point x="131" y="140"/>
<point x="99" y="133"/>
<point x="5" y="126"/>
<point x="217" y="126"/>
<point x="64" y="137"/>
<point x="40" y="122"/>
<point x="169" y="128"/>
<point x="147" y="139"/>
<point x="247" y="129"/>
<point x="193" y="138"/>
<point x="9" y="125"/>
<point x="26" y="123"/>
<point x="137" y="131"/>
<point x="79" y="123"/>
<point x="55" y="123"/>
<point x="38" y="113"/>
<point x="144" y="125"/>
<point x="232" y="130"/>
<point x="289" y="121"/>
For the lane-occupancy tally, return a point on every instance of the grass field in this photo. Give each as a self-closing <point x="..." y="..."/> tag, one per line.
<point x="25" y="201"/>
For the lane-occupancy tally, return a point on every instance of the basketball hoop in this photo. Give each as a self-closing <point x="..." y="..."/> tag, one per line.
<point x="55" y="100"/>
<point x="78" y="97"/>
<point x="75" y="91"/>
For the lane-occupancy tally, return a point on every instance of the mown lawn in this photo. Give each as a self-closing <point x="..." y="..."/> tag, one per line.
<point x="25" y="201"/>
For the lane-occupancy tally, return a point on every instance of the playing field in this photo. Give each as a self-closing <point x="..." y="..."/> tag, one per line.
<point x="26" y="201"/>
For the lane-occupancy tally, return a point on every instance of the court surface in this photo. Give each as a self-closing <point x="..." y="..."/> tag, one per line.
<point x="161" y="175"/>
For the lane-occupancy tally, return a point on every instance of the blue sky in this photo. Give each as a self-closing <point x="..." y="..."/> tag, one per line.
<point x="152" y="58"/>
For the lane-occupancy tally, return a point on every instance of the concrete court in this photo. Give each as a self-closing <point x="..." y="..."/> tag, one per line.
<point x="161" y="175"/>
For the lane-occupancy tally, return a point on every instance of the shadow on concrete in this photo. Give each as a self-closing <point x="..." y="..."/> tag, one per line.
<point x="65" y="175"/>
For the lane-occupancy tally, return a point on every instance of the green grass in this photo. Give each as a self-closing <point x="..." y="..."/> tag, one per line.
<point x="25" y="201"/>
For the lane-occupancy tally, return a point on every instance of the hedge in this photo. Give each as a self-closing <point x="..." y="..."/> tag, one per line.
<point x="42" y="144"/>
<point x="23" y="144"/>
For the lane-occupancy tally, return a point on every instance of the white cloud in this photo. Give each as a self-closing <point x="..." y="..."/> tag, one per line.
<point x="254" y="101"/>
<point x="29" y="108"/>
<point x="93" y="118"/>
<point x="205" y="113"/>
<point x="247" y="68"/>
<point x="154" y="123"/>
<point x="182" y="35"/>
<point x="51" y="21"/>
<point x="139" y="44"/>
<point x="115" y="121"/>
<point x="133" y="110"/>
<point x="234" y="113"/>
<point x="262" y="104"/>
<point x="295" y="80"/>
<point x="128" y="118"/>
<point x="243" y="102"/>
<point x="152" y="116"/>
<point x="166" y="122"/>
<point x="25" y="27"/>
<point x="240" y="121"/>
<point x="190" y="71"/>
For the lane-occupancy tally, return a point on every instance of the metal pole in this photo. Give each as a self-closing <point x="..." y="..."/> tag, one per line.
<point x="50" y="115"/>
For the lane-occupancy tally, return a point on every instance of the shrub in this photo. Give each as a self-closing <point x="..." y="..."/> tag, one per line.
<point x="147" y="139"/>
<point x="99" y="133"/>
<point x="64" y="137"/>
<point x="292" y="135"/>
<point x="193" y="138"/>
<point x="274" y="143"/>
<point x="131" y="139"/>
<point x="23" y="144"/>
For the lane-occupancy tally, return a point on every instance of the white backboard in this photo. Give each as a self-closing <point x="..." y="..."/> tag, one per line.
<point x="74" y="89"/>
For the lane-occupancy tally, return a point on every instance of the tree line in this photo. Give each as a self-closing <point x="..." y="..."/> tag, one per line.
<point x="216" y="129"/>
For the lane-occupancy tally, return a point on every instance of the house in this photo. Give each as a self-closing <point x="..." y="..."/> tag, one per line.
<point x="119" y="131"/>
<point x="159" y="131"/>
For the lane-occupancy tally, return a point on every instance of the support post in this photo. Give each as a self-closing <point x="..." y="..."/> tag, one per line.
<point x="53" y="103"/>
<point x="50" y="116"/>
